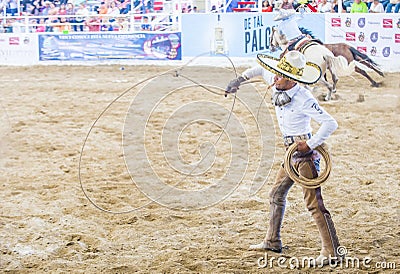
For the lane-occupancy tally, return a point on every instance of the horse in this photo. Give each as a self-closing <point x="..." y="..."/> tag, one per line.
<point x="352" y="54"/>
<point x="320" y="55"/>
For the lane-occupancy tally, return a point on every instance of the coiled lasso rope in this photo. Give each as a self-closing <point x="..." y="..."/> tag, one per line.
<point x="297" y="177"/>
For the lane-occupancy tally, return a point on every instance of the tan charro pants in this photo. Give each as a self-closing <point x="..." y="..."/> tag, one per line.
<point x="314" y="203"/>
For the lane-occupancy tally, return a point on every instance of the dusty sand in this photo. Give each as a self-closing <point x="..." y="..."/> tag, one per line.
<point x="47" y="224"/>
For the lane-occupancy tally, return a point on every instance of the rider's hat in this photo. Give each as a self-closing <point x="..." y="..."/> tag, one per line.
<point x="292" y="66"/>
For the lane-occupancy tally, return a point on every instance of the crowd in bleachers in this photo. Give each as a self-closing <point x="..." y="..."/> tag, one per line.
<point x="321" y="6"/>
<point x="63" y="16"/>
<point x="116" y="15"/>
<point x="324" y="6"/>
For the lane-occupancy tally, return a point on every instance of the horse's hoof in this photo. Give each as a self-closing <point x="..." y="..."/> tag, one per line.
<point x="327" y="98"/>
<point x="376" y="85"/>
<point x="334" y="91"/>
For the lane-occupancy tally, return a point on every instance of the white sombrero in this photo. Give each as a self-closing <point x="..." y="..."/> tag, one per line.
<point x="292" y="66"/>
<point x="284" y="14"/>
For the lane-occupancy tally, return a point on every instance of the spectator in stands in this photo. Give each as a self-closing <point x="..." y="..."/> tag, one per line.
<point x="64" y="26"/>
<point x="368" y="2"/>
<point x="25" y="4"/>
<point x="287" y="5"/>
<point x="145" y="24"/>
<point x="62" y="10"/>
<point x="35" y="9"/>
<point x="347" y="4"/>
<point x="17" y="26"/>
<point x="390" y="5"/>
<point x="32" y="25"/>
<point x="324" y="6"/>
<point x="93" y="23"/>
<point x="81" y="13"/>
<point x="112" y="10"/>
<point x="123" y="24"/>
<point x="266" y="6"/>
<point x="136" y="3"/>
<point x="12" y="7"/>
<point x="142" y="6"/>
<point x="376" y="7"/>
<point x="149" y="7"/>
<point x="103" y="8"/>
<point x="397" y="7"/>
<point x="194" y="9"/>
<point x="8" y="28"/>
<point x="314" y="4"/>
<point x="53" y="10"/>
<point x="45" y="8"/>
<point x="359" y="7"/>
<point x="53" y="18"/>
<point x="70" y="10"/>
<point x="41" y="27"/>
<point x="124" y="6"/>
<point x="384" y="3"/>
<point x="335" y="7"/>
<point x="103" y="19"/>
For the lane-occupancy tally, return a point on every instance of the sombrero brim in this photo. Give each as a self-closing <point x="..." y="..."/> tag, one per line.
<point x="311" y="73"/>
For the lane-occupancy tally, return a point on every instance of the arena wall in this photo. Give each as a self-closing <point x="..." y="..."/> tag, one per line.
<point x="237" y="35"/>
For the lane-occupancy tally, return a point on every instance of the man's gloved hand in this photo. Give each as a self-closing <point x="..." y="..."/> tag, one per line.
<point x="233" y="85"/>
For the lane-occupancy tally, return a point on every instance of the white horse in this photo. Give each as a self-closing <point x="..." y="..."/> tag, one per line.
<point x="320" y="55"/>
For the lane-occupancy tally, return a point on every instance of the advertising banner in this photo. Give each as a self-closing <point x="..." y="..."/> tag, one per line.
<point x="377" y="35"/>
<point x="106" y="46"/>
<point x="237" y="34"/>
<point x="18" y="49"/>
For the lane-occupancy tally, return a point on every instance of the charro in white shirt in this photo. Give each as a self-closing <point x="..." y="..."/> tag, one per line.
<point x="294" y="119"/>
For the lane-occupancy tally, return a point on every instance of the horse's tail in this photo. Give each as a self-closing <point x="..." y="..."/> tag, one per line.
<point x="365" y="60"/>
<point x="341" y="66"/>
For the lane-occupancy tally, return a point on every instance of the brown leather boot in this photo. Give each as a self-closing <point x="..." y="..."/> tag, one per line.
<point x="277" y="199"/>
<point x="327" y="231"/>
<point x="321" y="215"/>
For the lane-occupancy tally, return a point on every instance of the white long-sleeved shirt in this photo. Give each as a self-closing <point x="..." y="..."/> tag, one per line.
<point x="327" y="7"/>
<point x="294" y="119"/>
<point x="378" y="8"/>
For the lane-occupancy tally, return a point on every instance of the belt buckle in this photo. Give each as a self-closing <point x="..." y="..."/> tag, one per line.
<point x="288" y="140"/>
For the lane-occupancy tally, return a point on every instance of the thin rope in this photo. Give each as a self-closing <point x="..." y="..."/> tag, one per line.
<point x="263" y="99"/>
<point x="176" y="73"/>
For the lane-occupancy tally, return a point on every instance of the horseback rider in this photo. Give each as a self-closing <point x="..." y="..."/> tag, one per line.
<point x="288" y="26"/>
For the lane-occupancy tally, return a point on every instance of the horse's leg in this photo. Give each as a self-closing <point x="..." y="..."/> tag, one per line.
<point x="365" y="74"/>
<point x="365" y="60"/>
<point x="332" y="88"/>
<point x="371" y="66"/>
<point x="329" y="87"/>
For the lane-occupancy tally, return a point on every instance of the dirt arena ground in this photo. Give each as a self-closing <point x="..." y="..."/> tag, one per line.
<point x="48" y="225"/>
